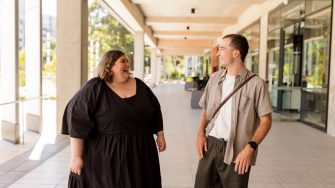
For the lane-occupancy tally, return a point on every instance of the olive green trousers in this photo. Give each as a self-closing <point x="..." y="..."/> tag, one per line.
<point x="214" y="173"/>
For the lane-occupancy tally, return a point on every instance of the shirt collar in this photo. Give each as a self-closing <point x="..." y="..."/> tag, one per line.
<point x="242" y="75"/>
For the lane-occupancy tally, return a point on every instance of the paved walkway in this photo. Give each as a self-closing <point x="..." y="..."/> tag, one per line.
<point x="292" y="156"/>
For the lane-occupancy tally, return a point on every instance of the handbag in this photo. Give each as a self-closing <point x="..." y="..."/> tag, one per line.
<point x="231" y="94"/>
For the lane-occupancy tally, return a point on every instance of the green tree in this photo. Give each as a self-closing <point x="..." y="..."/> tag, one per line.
<point x="173" y="66"/>
<point x="49" y="68"/>
<point x="108" y="32"/>
<point x="22" y="67"/>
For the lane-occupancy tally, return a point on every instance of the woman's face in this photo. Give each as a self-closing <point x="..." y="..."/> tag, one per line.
<point x="121" y="69"/>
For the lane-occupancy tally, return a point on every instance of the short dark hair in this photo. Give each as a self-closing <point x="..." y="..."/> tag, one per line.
<point x="107" y="62"/>
<point x="240" y="43"/>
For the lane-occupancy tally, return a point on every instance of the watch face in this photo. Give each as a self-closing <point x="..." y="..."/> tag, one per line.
<point x="253" y="145"/>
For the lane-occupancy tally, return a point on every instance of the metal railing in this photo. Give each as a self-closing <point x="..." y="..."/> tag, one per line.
<point x="22" y="113"/>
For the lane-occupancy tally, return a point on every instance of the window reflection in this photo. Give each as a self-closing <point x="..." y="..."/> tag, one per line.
<point x="316" y="5"/>
<point x="315" y="67"/>
<point x="252" y="34"/>
<point x="298" y="60"/>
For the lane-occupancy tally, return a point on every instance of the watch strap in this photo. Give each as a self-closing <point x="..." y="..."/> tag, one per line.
<point x="253" y="145"/>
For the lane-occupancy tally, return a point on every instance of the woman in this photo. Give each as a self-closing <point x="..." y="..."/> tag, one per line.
<point x="111" y="121"/>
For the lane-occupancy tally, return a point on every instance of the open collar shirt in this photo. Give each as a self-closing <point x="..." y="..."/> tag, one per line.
<point x="249" y="103"/>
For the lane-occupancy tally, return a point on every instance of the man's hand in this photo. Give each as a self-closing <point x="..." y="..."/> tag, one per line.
<point x="201" y="144"/>
<point x="243" y="160"/>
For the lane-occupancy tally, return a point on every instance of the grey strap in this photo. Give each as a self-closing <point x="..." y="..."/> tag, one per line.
<point x="232" y="93"/>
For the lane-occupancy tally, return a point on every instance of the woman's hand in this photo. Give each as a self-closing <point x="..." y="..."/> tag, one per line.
<point x="77" y="164"/>
<point x="160" y="140"/>
<point x="77" y="148"/>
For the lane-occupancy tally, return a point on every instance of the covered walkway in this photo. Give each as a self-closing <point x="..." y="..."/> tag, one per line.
<point x="292" y="156"/>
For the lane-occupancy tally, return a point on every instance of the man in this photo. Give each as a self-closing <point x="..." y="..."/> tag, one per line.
<point x="227" y="144"/>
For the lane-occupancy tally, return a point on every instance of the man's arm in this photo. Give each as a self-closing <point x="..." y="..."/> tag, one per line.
<point x="201" y="138"/>
<point x="263" y="128"/>
<point x="244" y="157"/>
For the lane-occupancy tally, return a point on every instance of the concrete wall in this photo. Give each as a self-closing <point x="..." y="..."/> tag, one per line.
<point x="331" y="96"/>
<point x="72" y="51"/>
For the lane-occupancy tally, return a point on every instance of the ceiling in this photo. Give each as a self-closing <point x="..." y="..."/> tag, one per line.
<point x="176" y="30"/>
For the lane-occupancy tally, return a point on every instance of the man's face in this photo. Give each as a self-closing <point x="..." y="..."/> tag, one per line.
<point x="226" y="52"/>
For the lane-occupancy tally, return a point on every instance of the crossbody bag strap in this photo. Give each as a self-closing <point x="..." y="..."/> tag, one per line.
<point x="231" y="94"/>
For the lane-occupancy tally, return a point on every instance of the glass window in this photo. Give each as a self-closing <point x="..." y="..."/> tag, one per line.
<point x="287" y="15"/>
<point x="252" y="34"/>
<point x="298" y="59"/>
<point x="315" y="67"/>
<point x="315" y="5"/>
<point x="275" y="20"/>
<point x="292" y="55"/>
<point x="49" y="15"/>
<point x="273" y="57"/>
<point x="284" y="58"/>
<point x="287" y="71"/>
<point x="292" y="12"/>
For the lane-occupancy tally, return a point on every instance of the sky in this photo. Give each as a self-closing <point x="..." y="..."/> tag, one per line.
<point x="49" y="7"/>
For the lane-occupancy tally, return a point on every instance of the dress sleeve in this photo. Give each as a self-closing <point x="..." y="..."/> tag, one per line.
<point x="78" y="120"/>
<point x="157" y="122"/>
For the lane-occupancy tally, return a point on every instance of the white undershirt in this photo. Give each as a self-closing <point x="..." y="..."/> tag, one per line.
<point x="222" y="123"/>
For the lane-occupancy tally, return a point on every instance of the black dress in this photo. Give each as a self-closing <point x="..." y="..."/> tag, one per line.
<point x="120" y="149"/>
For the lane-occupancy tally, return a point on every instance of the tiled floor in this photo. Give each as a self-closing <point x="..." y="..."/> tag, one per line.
<point x="292" y="156"/>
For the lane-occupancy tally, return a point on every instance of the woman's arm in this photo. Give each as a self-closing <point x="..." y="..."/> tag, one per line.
<point x="77" y="149"/>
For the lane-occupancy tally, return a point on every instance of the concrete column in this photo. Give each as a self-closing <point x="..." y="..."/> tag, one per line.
<point x="159" y="69"/>
<point x="139" y="55"/>
<point x="331" y="92"/>
<point x="263" y="45"/>
<point x="153" y="66"/>
<point x="9" y="35"/>
<point x="33" y="48"/>
<point x="214" y="64"/>
<point x="72" y="51"/>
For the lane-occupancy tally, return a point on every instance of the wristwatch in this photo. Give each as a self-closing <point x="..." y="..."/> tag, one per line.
<point x="253" y="145"/>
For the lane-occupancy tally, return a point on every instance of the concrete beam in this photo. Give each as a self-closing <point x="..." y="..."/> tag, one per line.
<point x="177" y="44"/>
<point x="185" y="1"/>
<point x="252" y="14"/>
<point x="212" y="34"/>
<point x="190" y="20"/>
<point x="185" y="51"/>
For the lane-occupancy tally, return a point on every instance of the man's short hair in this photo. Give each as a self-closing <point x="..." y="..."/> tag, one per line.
<point x="240" y="43"/>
